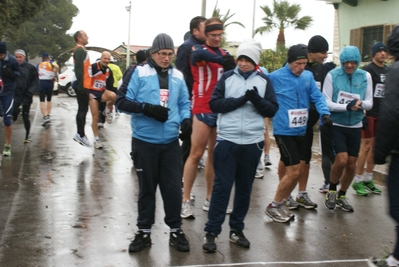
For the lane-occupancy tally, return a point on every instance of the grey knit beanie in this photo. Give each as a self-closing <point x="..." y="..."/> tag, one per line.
<point x="162" y="41"/>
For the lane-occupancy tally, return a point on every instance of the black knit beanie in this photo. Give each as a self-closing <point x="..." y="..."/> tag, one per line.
<point x="317" y="44"/>
<point x="299" y="51"/>
<point x="377" y="47"/>
<point x="3" y="48"/>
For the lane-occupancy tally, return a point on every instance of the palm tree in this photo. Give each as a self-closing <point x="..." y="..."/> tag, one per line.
<point x="216" y="14"/>
<point x="284" y="15"/>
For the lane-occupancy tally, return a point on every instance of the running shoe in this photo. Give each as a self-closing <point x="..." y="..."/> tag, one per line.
<point x="205" y="207"/>
<point x="82" y="140"/>
<point x="305" y="201"/>
<point x="98" y="144"/>
<point x="108" y="115"/>
<point x="331" y="199"/>
<point x="28" y="139"/>
<point x="324" y="188"/>
<point x="370" y="186"/>
<point x="140" y="242"/>
<point x="179" y="241"/>
<point x="259" y="174"/>
<point x="291" y="204"/>
<point x="267" y="161"/>
<point x="7" y="150"/>
<point x="343" y="203"/>
<point x="359" y="188"/>
<point x="186" y="210"/>
<point x="209" y="245"/>
<point x="238" y="237"/>
<point x="276" y="213"/>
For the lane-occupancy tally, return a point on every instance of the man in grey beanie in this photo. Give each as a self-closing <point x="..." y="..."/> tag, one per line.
<point x="157" y="107"/>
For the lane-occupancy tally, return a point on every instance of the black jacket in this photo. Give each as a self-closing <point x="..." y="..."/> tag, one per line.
<point x="27" y="83"/>
<point x="387" y="139"/>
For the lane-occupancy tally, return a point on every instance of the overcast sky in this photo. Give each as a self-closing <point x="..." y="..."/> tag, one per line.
<point x="106" y="22"/>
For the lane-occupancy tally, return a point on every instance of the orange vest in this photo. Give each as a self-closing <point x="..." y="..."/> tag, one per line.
<point x="45" y="70"/>
<point x="98" y="79"/>
<point x="86" y="67"/>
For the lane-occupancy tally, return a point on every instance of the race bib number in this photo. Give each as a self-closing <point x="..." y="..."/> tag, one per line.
<point x="379" y="91"/>
<point x="98" y="84"/>
<point x="346" y="98"/>
<point x="164" y="97"/>
<point x="297" y="117"/>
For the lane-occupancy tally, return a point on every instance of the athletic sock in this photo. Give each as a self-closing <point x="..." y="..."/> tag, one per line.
<point x="359" y="178"/>
<point x="368" y="176"/>
<point x="333" y="186"/>
<point x="341" y="193"/>
<point x="301" y="193"/>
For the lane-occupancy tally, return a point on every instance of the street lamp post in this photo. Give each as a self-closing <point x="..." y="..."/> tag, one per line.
<point x="253" y="20"/>
<point x="128" y="8"/>
<point x="203" y="8"/>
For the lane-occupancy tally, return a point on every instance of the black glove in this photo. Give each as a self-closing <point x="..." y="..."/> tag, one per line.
<point x="365" y="123"/>
<point x="8" y="72"/>
<point x="326" y="120"/>
<point x="157" y="112"/>
<point x="351" y="104"/>
<point x="186" y="129"/>
<point x="228" y="62"/>
<point x="253" y="95"/>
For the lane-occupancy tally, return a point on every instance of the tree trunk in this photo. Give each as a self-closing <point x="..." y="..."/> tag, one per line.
<point x="280" y="39"/>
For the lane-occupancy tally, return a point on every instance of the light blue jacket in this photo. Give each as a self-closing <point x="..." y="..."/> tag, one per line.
<point x="239" y="120"/>
<point x="144" y="88"/>
<point x="294" y="92"/>
<point x="355" y="83"/>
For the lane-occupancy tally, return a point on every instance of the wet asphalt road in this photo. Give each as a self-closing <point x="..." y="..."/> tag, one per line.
<point x="62" y="204"/>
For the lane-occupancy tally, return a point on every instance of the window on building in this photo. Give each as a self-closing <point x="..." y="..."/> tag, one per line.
<point x="364" y="38"/>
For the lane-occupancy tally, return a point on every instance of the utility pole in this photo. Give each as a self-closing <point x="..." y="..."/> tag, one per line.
<point x="253" y="21"/>
<point x="203" y="9"/>
<point x="128" y="8"/>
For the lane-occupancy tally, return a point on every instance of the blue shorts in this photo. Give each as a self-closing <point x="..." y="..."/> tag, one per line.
<point x="7" y="103"/>
<point x="346" y="140"/>
<point x="46" y="90"/>
<point x="94" y="94"/>
<point x="208" y="118"/>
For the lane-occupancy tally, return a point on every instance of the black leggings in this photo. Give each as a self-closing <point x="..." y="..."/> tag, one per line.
<point x="25" y="116"/>
<point x="83" y="107"/>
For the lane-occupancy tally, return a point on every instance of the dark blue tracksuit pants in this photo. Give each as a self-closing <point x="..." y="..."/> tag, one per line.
<point x="237" y="164"/>
<point x="393" y="187"/>
<point x="158" y="165"/>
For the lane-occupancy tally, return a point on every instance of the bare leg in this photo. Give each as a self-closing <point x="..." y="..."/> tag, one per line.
<point x="199" y="138"/>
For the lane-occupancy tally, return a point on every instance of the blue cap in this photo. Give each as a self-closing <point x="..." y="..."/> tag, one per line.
<point x="45" y="54"/>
